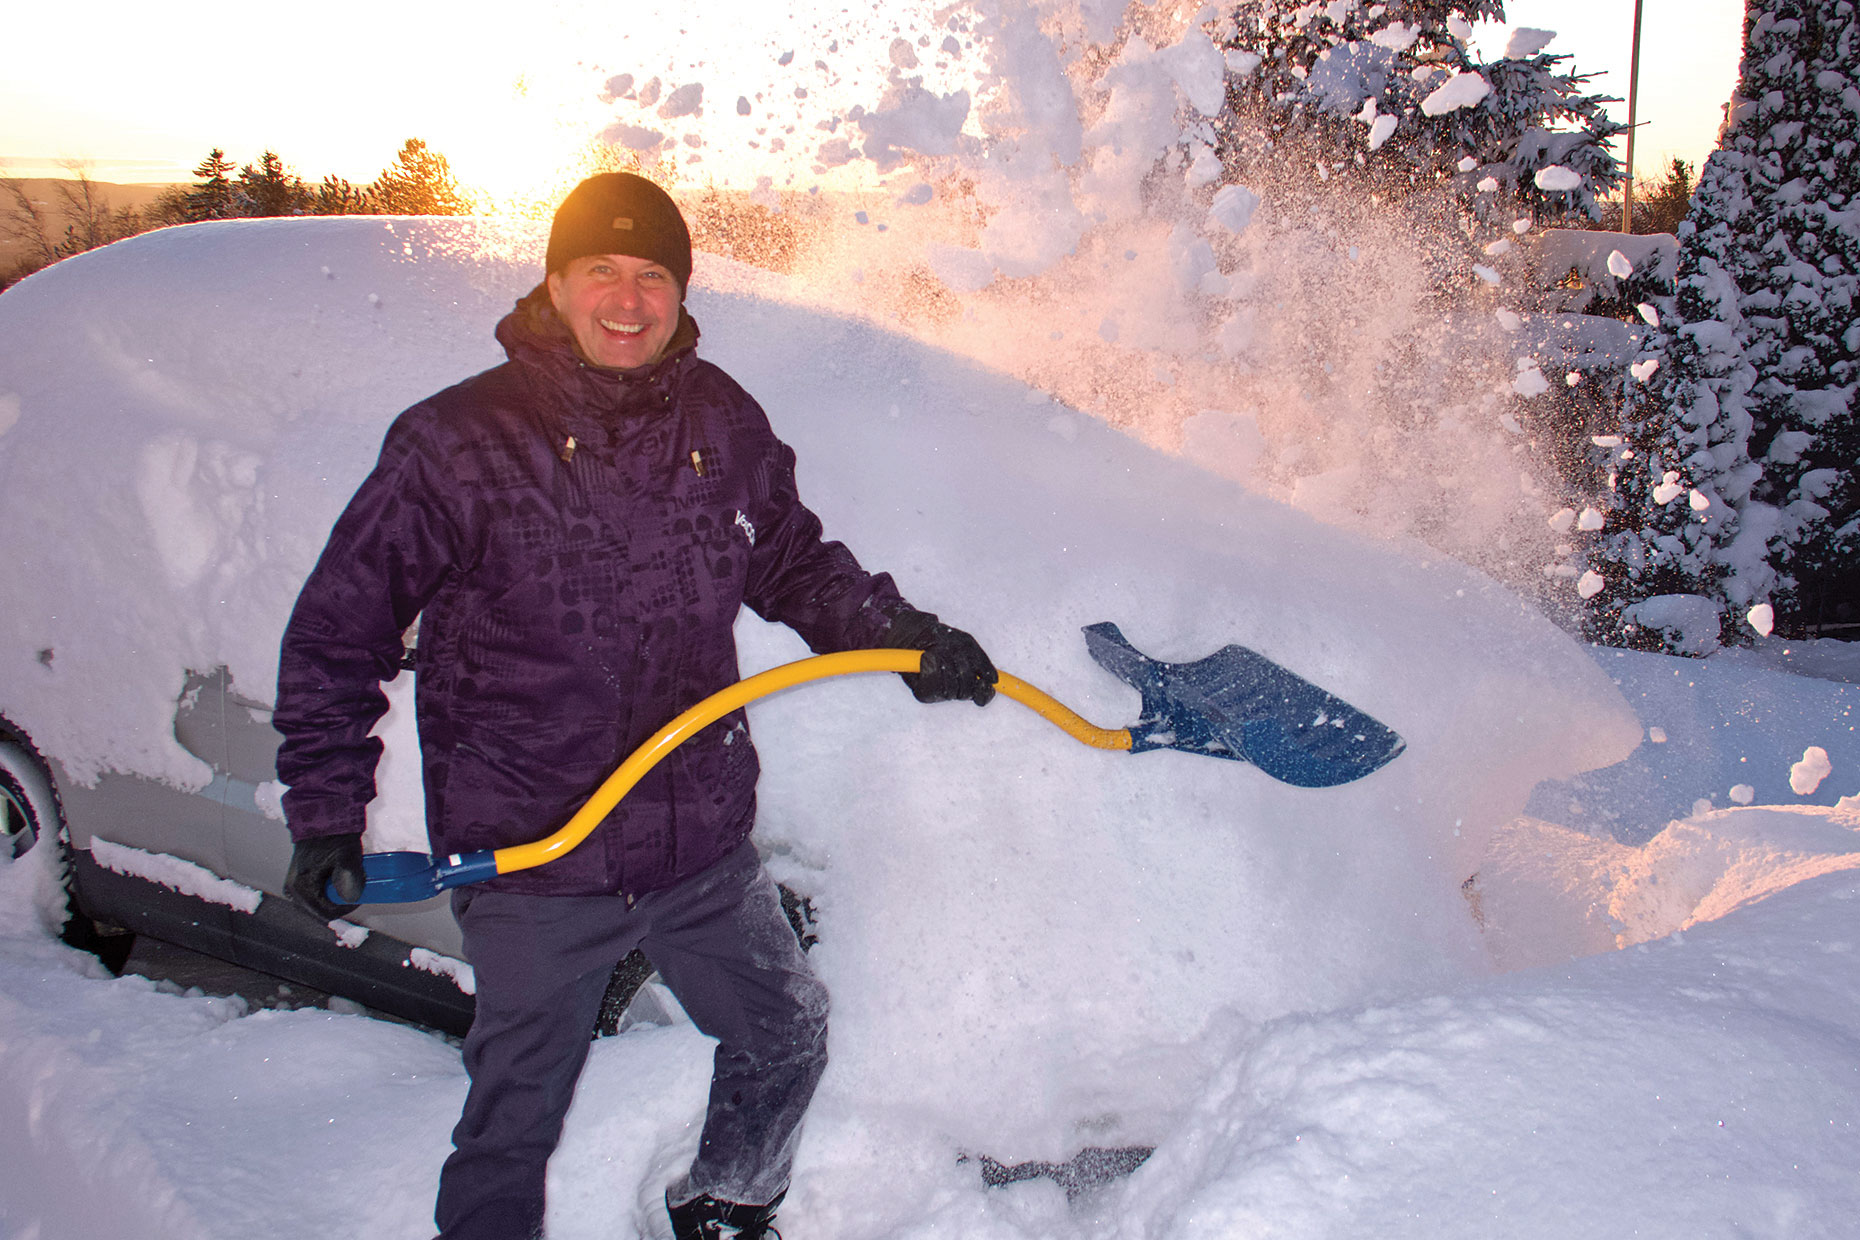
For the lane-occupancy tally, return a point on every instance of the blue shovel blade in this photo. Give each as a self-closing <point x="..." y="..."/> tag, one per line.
<point x="1238" y="704"/>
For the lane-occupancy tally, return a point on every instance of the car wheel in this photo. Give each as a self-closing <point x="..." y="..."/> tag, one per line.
<point x="623" y="986"/>
<point x="31" y="816"/>
<point x="29" y="806"/>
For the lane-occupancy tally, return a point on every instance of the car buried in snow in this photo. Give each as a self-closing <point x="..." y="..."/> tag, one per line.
<point x="201" y="867"/>
<point x="125" y="741"/>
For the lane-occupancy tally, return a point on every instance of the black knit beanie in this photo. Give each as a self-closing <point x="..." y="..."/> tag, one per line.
<point x="619" y="213"/>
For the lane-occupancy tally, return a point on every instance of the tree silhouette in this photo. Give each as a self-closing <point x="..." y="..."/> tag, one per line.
<point x="211" y="198"/>
<point x="269" y="189"/>
<point x="418" y="182"/>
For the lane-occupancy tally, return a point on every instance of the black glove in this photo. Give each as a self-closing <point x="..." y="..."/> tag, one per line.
<point x="316" y="863"/>
<point x="955" y="667"/>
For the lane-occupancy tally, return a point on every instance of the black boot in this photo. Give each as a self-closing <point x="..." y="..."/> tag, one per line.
<point x="706" y="1218"/>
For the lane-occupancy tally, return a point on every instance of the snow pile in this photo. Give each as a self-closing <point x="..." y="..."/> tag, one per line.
<point x="1699" y="1082"/>
<point x="230" y="440"/>
<point x="1546" y="893"/>
<point x="1032" y="947"/>
<point x="133" y="1110"/>
<point x="1715" y="725"/>
<point x="965" y="862"/>
<point x="1700" y="1086"/>
<point x="1604" y="263"/>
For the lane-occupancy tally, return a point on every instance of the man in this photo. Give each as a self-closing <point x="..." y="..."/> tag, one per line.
<point x="576" y="530"/>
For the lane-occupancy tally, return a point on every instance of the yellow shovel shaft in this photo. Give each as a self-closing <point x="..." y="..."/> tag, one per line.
<point x="743" y="692"/>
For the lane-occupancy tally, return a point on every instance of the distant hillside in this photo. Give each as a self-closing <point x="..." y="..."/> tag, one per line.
<point x="44" y="192"/>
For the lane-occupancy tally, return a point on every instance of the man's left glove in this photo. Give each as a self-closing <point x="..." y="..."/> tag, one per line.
<point x="955" y="667"/>
<point x="319" y="861"/>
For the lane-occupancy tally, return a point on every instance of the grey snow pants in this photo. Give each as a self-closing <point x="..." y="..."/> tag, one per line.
<point x="721" y="943"/>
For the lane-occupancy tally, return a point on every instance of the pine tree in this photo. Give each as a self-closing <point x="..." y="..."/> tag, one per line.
<point x="418" y="182"/>
<point x="271" y="189"/>
<point x="336" y="196"/>
<point x="212" y="196"/>
<point x="1681" y="521"/>
<point x="1374" y="93"/>
<point x="1752" y="407"/>
<point x="1801" y="275"/>
<point x="1660" y="206"/>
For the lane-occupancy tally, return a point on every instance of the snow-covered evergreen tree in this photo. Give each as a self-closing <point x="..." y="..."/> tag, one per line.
<point x="1801" y="276"/>
<point x="1680" y="473"/>
<point x="1752" y="407"/>
<point x="1390" y="95"/>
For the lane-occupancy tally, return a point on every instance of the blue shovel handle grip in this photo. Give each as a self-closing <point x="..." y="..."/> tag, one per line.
<point x="408" y="877"/>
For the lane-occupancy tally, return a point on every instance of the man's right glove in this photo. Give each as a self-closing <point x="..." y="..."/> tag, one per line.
<point x="955" y="667"/>
<point x="319" y="861"/>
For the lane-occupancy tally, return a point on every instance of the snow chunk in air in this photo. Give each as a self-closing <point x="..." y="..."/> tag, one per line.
<point x="1806" y="775"/>
<point x="1199" y="71"/>
<point x="632" y="137"/>
<point x="1556" y="178"/>
<point x="914" y="119"/>
<point x="1233" y="207"/>
<point x="1526" y="43"/>
<point x="1530" y="382"/>
<point x="1396" y="36"/>
<point x="685" y="101"/>
<point x="1380" y="126"/>
<point x="1462" y="90"/>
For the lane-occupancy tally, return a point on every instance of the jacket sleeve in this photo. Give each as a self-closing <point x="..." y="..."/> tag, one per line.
<point x="797" y="577"/>
<point x="389" y="552"/>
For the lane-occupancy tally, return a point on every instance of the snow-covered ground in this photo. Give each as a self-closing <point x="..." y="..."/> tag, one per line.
<point x="1581" y="962"/>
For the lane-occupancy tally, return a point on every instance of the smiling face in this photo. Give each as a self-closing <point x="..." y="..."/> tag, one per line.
<point x="621" y="310"/>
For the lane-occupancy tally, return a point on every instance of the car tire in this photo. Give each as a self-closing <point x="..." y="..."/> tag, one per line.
<point x="32" y="816"/>
<point x="623" y="986"/>
<point x="29" y="808"/>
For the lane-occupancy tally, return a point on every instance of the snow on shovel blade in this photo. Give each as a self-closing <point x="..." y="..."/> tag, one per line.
<point x="1236" y="703"/>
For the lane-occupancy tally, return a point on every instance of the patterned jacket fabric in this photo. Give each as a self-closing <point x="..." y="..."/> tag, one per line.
<point x="576" y="543"/>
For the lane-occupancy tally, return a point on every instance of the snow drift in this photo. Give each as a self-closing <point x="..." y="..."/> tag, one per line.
<point x="196" y="405"/>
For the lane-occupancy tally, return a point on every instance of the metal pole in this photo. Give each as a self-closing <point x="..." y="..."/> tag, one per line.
<point x="1627" y="192"/>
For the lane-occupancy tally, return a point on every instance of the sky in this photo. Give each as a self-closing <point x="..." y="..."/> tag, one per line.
<point x="511" y="101"/>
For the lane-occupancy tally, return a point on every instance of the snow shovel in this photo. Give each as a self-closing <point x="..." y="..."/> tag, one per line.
<point x="1235" y="704"/>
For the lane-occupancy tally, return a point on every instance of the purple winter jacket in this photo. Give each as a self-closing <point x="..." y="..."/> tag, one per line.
<point x="576" y="543"/>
